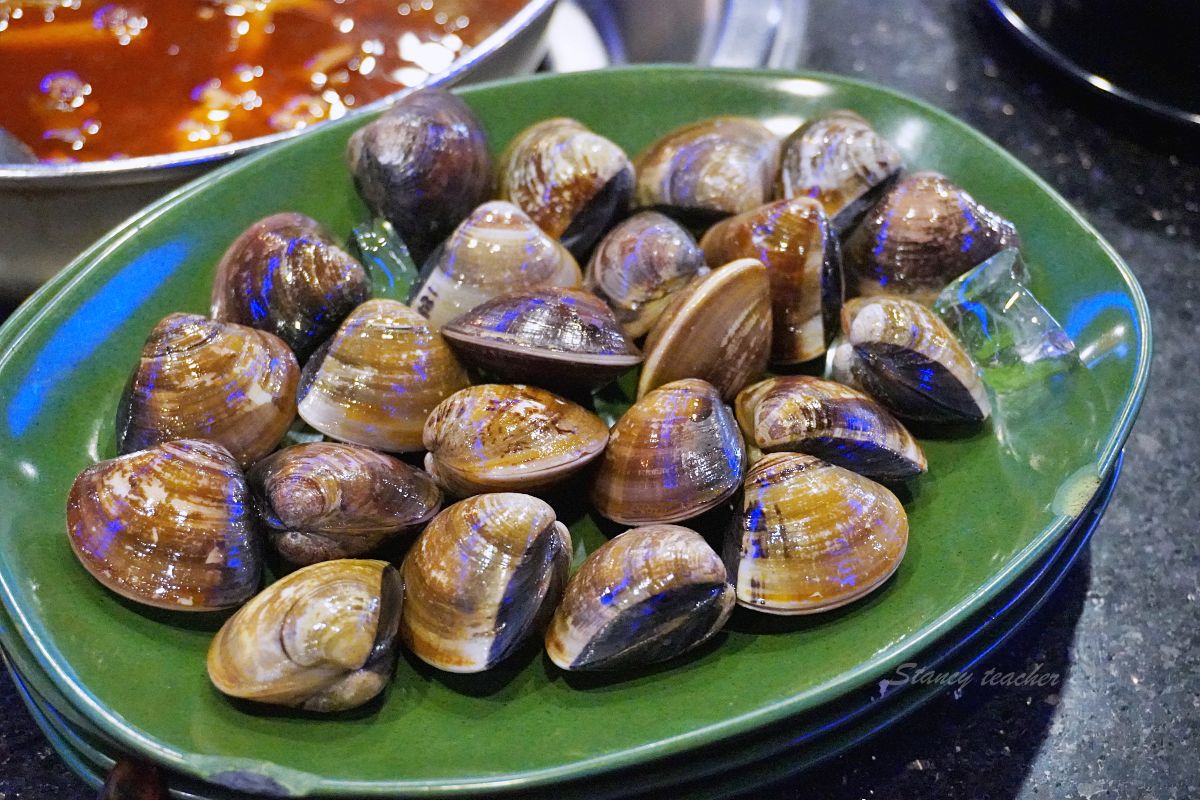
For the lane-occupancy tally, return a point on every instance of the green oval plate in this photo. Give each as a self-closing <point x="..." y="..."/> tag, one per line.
<point x="990" y="505"/>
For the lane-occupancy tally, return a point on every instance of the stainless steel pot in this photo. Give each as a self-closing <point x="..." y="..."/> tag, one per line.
<point x="50" y="212"/>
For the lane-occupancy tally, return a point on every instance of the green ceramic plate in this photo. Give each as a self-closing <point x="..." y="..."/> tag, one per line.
<point x="990" y="506"/>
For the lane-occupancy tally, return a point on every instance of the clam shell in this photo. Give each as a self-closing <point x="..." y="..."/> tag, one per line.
<point x="284" y="275"/>
<point x="572" y="182"/>
<point x="717" y="329"/>
<point x="322" y="638"/>
<point x="565" y="340"/>
<point x="168" y="527"/>
<point x="649" y="595"/>
<point x="423" y="165"/>
<point x="922" y="234"/>
<point x="494" y="437"/>
<point x="201" y="379"/>
<point x="673" y="455"/>
<point x="840" y="161"/>
<point x="639" y="265"/>
<point x="796" y="243"/>
<point x="709" y="169"/>
<point x="480" y="579"/>
<point x="907" y="359"/>
<point x="379" y="377"/>
<point x="325" y="500"/>
<point x="812" y="536"/>
<point x="801" y="414"/>
<point x="496" y="250"/>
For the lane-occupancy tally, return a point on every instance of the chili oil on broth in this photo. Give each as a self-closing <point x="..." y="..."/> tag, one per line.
<point x="88" y="80"/>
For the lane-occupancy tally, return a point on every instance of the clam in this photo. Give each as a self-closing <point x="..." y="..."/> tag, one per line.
<point x="483" y="577"/>
<point x="639" y="265"/>
<point x="284" y="275"/>
<point x="493" y="438"/>
<point x="423" y="165"/>
<point x="647" y="596"/>
<point x="497" y="249"/>
<point x="907" y="359"/>
<point x="709" y="169"/>
<point x="922" y="234"/>
<point x="812" y="536"/>
<point x="673" y="455"/>
<point x="795" y="241"/>
<point x="572" y="182"/>
<point x="377" y="379"/>
<point x="801" y="414"/>
<point x="562" y="339"/>
<point x="717" y="329"/>
<point x="839" y="160"/>
<point x="322" y="638"/>
<point x="167" y="527"/>
<point x="202" y="379"/>
<point x="325" y="500"/>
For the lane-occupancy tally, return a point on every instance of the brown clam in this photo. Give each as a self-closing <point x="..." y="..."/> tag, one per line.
<point x="325" y="500"/>
<point x="572" y="182"/>
<point x="169" y="527"/>
<point x="649" y="595"/>
<point x="423" y="165"/>
<point x="795" y="241"/>
<point x="839" y="160"/>
<point x="565" y="340"/>
<point x="284" y="275"/>
<point x="717" y="329"/>
<point x="709" y="169"/>
<point x="811" y="536"/>
<point x="496" y="250"/>
<point x="377" y="379"/>
<point x="922" y="234"/>
<point x="639" y="265"/>
<point x="201" y="379"/>
<point x="906" y="358"/>
<point x="493" y="438"/>
<point x="673" y="455"/>
<point x="322" y="638"/>
<point x="482" y="578"/>
<point x="801" y="414"/>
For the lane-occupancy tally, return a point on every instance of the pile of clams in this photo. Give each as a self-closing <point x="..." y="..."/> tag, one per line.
<point x="583" y="324"/>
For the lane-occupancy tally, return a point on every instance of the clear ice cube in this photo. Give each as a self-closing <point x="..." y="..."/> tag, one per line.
<point x="391" y="267"/>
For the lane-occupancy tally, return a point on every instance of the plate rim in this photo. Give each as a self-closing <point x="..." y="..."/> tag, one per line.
<point x="21" y="324"/>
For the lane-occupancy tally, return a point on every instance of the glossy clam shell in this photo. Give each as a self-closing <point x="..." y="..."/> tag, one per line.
<point x="796" y="243"/>
<point x="907" y="359"/>
<point x="496" y="250"/>
<point x="922" y="234"/>
<point x="423" y="165"/>
<point x="494" y="437"/>
<point x="565" y="340"/>
<point x="717" y="329"/>
<point x="802" y="414"/>
<point x="168" y="527"/>
<point x="202" y="379"/>
<point x="572" y="182"/>
<point x="284" y="275"/>
<point x="673" y="455"/>
<point x="649" y="595"/>
<point x="379" y="377"/>
<point x="322" y="638"/>
<point x="326" y="500"/>
<point x="839" y="160"/>
<point x="481" y="578"/>
<point x="709" y="169"/>
<point x="812" y="536"/>
<point x="639" y="265"/>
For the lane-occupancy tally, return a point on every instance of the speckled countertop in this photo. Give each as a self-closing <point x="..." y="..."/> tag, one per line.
<point x="1123" y="631"/>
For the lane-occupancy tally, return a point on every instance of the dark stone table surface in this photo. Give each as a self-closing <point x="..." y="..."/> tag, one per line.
<point x="1122" y="630"/>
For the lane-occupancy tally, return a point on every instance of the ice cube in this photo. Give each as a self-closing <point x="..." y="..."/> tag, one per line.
<point x="381" y="250"/>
